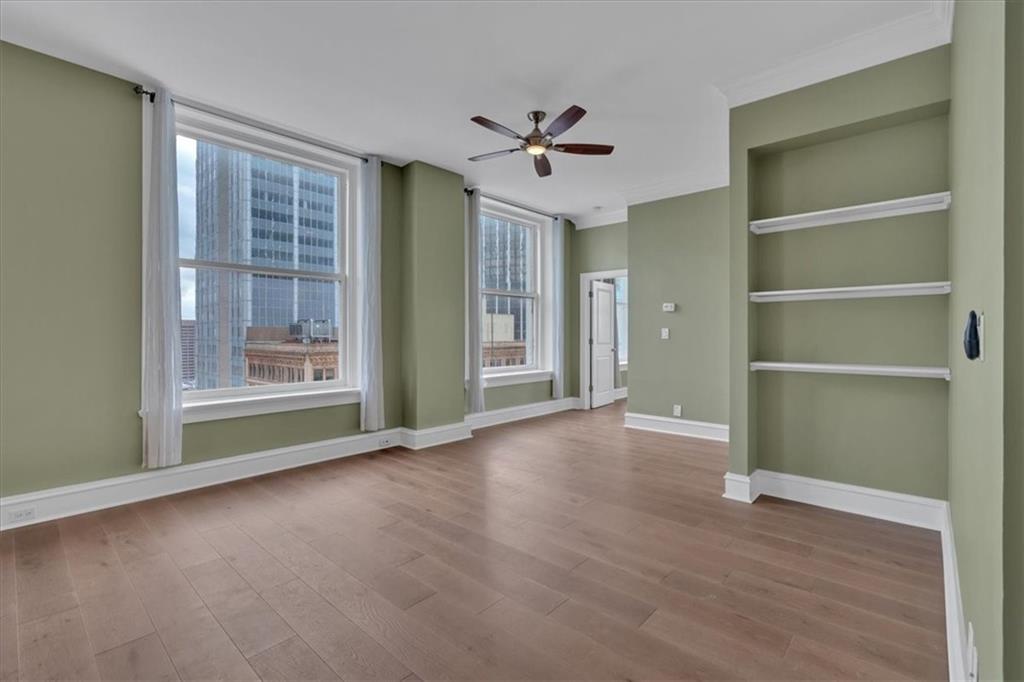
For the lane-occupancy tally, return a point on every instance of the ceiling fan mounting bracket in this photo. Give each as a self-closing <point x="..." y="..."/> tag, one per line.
<point x="536" y="117"/>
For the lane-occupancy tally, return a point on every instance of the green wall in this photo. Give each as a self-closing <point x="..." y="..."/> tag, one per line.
<point x="813" y="425"/>
<point x="70" y="269"/>
<point x="433" y="297"/>
<point x="71" y="169"/>
<point x="792" y="152"/>
<point x="976" y="262"/>
<point x="1013" y="423"/>
<point x="679" y="253"/>
<point x="592" y="249"/>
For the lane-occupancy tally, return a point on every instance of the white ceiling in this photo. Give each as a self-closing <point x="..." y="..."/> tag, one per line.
<point x="402" y="79"/>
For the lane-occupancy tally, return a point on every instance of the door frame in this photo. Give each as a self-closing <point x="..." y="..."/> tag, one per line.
<point x="585" y="279"/>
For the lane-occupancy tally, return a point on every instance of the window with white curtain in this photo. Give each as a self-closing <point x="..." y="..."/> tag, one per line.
<point x="515" y="334"/>
<point x="266" y="229"/>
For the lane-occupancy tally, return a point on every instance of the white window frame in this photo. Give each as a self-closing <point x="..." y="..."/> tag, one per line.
<point x="225" y="403"/>
<point x="542" y="276"/>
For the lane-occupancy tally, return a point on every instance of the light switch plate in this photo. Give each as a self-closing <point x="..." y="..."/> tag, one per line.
<point x="677" y="410"/>
<point x="664" y="333"/>
<point x="668" y="307"/>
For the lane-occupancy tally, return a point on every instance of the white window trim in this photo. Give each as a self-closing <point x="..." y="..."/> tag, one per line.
<point x="204" y="410"/>
<point x="531" y="376"/>
<point x="227" y="403"/>
<point x="543" y="275"/>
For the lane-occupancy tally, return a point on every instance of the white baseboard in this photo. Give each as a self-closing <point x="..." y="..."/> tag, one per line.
<point x="56" y="503"/>
<point x="912" y="510"/>
<point x="961" y="651"/>
<point x="679" y="427"/>
<point x="480" y="420"/>
<point x="737" y="487"/>
<point x="620" y="393"/>
<point x="417" y="439"/>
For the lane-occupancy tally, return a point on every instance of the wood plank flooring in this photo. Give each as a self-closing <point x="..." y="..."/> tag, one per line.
<point x="561" y="548"/>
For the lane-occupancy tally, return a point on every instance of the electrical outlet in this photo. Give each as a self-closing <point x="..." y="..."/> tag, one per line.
<point x="386" y="442"/>
<point x="664" y="333"/>
<point x="677" y="410"/>
<point x="21" y="515"/>
<point x="668" y="307"/>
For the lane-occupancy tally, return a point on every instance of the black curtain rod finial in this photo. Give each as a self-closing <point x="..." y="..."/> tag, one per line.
<point x="139" y="90"/>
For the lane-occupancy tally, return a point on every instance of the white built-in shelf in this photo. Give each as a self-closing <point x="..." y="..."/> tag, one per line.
<point x="868" y="370"/>
<point x="871" y="291"/>
<point x="848" y="214"/>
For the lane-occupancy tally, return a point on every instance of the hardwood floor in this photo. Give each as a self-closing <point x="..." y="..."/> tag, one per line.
<point x="563" y="548"/>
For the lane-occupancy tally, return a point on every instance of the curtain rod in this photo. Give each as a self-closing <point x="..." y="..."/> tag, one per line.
<point x="468" y="190"/>
<point x="139" y="90"/>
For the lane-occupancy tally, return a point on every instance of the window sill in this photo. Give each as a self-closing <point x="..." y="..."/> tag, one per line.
<point x="247" y="406"/>
<point x="513" y="378"/>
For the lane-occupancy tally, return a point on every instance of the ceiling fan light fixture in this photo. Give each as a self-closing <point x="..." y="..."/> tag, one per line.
<point x="536" y="149"/>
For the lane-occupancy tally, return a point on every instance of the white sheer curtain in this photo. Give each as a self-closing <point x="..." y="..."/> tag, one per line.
<point x="371" y="412"/>
<point x="558" y="305"/>
<point x="474" y="350"/>
<point x="161" y="304"/>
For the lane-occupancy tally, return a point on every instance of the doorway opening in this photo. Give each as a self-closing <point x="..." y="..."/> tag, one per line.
<point x="604" y="337"/>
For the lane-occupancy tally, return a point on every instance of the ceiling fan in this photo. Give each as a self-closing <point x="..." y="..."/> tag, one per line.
<point x="537" y="143"/>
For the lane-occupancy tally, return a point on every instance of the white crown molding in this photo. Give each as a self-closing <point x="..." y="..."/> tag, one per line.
<point x="915" y="33"/>
<point x="678" y="427"/>
<point x="601" y="218"/>
<point x="673" y="188"/>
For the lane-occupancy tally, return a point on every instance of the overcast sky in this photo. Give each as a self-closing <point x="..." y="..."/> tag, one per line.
<point x="187" y="222"/>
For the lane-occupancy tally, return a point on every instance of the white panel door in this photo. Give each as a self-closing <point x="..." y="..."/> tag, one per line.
<point x="602" y="345"/>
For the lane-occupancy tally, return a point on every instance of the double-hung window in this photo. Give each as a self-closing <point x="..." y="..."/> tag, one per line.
<point x="266" y="264"/>
<point x="514" y="284"/>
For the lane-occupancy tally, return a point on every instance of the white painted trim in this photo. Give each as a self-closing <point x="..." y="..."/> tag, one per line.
<point x="56" y="503"/>
<point x="960" y="652"/>
<point x="678" y="427"/>
<point x="914" y="33"/>
<point x="480" y="420"/>
<point x="912" y="510"/>
<point x="679" y="187"/>
<point x="585" y="279"/>
<point x="865" y="370"/>
<point x="514" y="378"/>
<point x="601" y="219"/>
<point x="869" y="291"/>
<point x="417" y="439"/>
<point x="738" y="488"/>
<point x="265" y="403"/>
<point x="620" y="393"/>
<point x="925" y="203"/>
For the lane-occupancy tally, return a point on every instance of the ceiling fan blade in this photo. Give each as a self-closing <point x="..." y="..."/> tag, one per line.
<point x="496" y="127"/>
<point x="583" y="148"/>
<point x="493" y="155"/>
<point x="542" y="165"/>
<point x="567" y="119"/>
